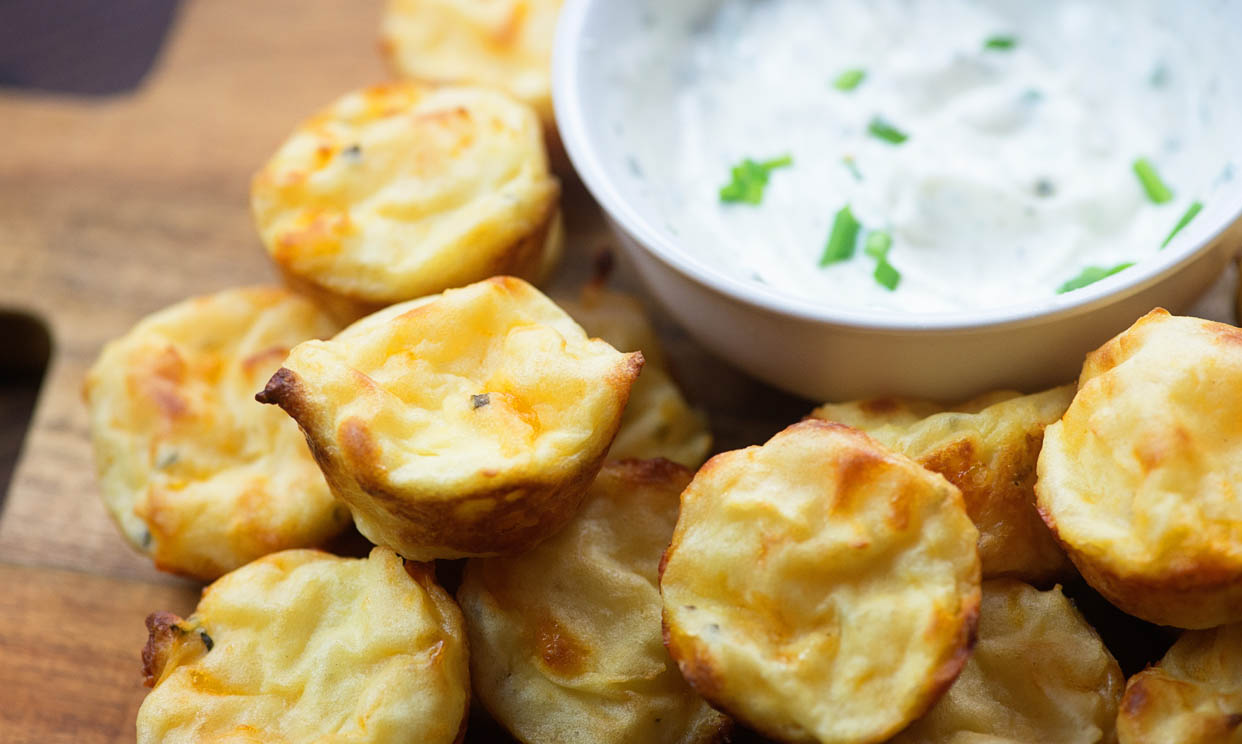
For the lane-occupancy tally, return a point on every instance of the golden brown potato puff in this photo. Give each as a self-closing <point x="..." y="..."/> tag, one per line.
<point x="821" y="588"/>
<point x="195" y="473"/>
<point x="565" y="638"/>
<point x="302" y="647"/>
<point x="1141" y="479"/>
<point x="463" y="424"/>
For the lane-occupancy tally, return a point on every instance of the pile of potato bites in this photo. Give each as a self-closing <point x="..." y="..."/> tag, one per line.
<point x="885" y="570"/>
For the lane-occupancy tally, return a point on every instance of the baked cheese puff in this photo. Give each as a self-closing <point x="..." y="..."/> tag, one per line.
<point x="821" y="588"/>
<point x="1039" y="673"/>
<point x="195" y="473"/>
<point x="988" y="448"/>
<point x="1191" y="696"/>
<point x="658" y="422"/>
<point x="1141" y="479"/>
<point x="468" y="423"/>
<point x="403" y="190"/>
<point x="303" y="647"/>
<point x="565" y="639"/>
<point x="505" y="44"/>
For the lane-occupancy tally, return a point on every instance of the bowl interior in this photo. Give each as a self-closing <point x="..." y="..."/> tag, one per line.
<point x="596" y="36"/>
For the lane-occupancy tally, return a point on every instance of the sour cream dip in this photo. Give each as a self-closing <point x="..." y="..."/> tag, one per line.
<point x="990" y="153"/>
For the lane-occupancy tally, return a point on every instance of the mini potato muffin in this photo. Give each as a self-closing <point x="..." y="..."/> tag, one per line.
<point x="403" y="190"/>
<point x="465" y="424"/>
<point x="988" y="448"/>
<point x="194" y="472"/>
<point x="566" y="638"/>
<point x="821" y="588"/>
<point x="1141" y="479"/>
<point x="301" y="647"/>
<point x="1039" y="673"/>
<point x="658" y="422"/>
<point x="1191" y="696"/>
<point x="505" y="44"/>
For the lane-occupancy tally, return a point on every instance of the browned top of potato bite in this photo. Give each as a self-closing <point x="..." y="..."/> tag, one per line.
<point x="566" y="637"/>
<point x="1142" y="477"/>
<point x="1192" y="696"/>
<point x="1039" y="673"/>
<point x="406" y="189"/>
<point x="469" y="423"/>
<point x="194" y="472"/>
<point x="821" y="588"/>
<point x="302" y="647"/>
<point x="988" y="448"/>
<point x="502" y="43"/>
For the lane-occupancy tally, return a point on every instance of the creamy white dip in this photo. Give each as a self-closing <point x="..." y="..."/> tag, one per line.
<point x="1017" y="171"/>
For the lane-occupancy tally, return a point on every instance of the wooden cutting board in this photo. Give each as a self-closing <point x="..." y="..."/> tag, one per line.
<point x="112" y="208"/>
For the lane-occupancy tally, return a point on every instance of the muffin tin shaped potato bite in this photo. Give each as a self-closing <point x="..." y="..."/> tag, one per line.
<point x="1141" y="479"/>
<point x="464" y="424"/>
<point x="565" y="638"/>
<point x="196" y="474"/>
<point x="820" y="588"/>
<point x="303" y="646"/>
<point x="407" y="189"/>
<point x="987" y="447"/>
<point x="1191" y="696"/>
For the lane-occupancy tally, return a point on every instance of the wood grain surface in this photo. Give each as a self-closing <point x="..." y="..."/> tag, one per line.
<point x="111" y="208"/>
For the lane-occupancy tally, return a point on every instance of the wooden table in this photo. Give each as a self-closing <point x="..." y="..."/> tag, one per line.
<point x="112" y="208"/>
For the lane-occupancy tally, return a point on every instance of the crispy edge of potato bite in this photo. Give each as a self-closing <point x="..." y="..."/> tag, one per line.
<point x="544" y="647"/>
<point x="174" y="642"/>
<point x="1000" y="492"/>
<point x="1202" y="591"/>
<point x="510" y="517"/>
<point x="702" y="669"/>
<point x="1181" y="697"/>
<point x="957" y="714"/>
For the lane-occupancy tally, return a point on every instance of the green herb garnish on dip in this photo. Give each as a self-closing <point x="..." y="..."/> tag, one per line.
<point x="749" y="180"/>
<point x="1156" y="189"/>
<point x="849" y="79"/>
<point x="852" y="166"/>
<point x="877" y="245"/>
<point x="1001" y="43"/>
<point x="1091" y="275"/>
<point x="881" y="129"/>
<point x="841" y="240"/>
<point x="1191" y="212"/>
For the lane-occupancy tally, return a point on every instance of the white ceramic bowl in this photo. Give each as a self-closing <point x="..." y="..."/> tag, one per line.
<point x="835" y="353"/>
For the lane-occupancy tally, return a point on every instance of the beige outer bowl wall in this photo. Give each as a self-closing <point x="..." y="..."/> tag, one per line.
<point x="835" y="353"/>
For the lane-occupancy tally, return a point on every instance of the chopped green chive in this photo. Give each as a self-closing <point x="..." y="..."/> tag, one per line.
<point x="1001" y="43"/>
<point x="1091" y="275"/>
<point x="749" y="179"/>
<point x="877" y="244"/>
<point x="1191" y="212"/>
<point x="1156" y="189"/>
<point x="881" y="129"/>
<point x="849" y="79"/>
<point x="887" y="276"/>
<point x="842" y="238"/>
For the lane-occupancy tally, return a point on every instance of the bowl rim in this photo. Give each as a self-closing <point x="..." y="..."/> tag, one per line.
<point x="573" y="125"/>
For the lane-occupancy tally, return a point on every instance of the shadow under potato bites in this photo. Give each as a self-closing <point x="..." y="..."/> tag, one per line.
<point x="821" y="588"/>
<point x="988" y="447"/>
<point x="466" y="423"/>
<point x="302" y="645"/>
<point x="194" y="472"/>
<point x="1140" y="479"/>
<point x="565" y="638"/>
<point x="1038" y="673"/>
<point x="406" y="189"/>
<point x="1191" y="696"/>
